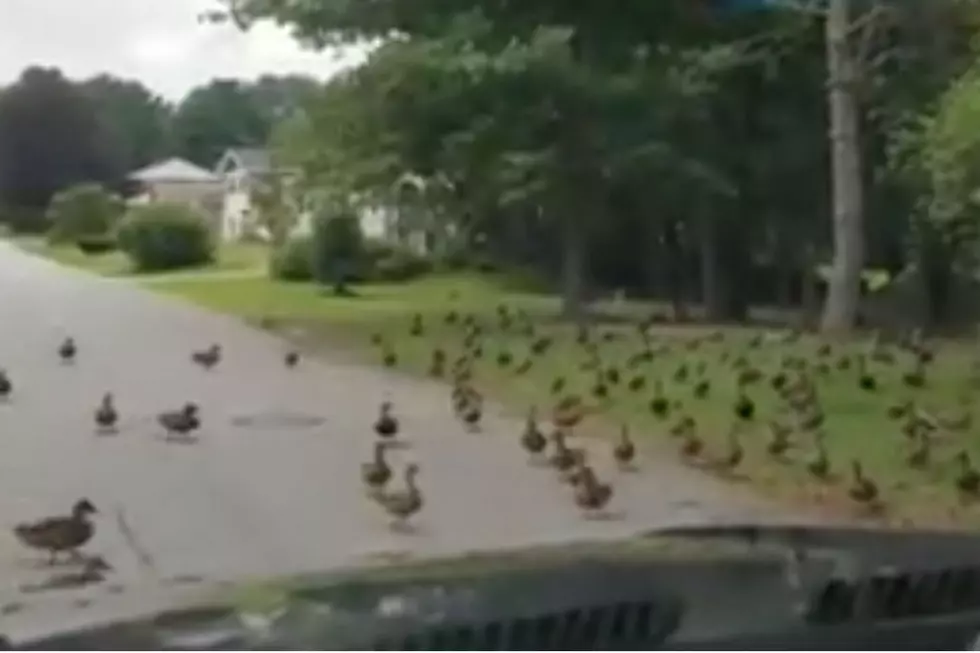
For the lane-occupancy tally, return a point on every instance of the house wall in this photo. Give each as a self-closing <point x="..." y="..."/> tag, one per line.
<point x="205" y="197"/>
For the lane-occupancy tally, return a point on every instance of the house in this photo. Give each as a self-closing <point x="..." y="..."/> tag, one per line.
<point x="176" y="180"/>
<point x="242" y="171"/>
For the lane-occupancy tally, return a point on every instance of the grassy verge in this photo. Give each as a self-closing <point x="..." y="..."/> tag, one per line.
<point x="857" y="425"/>
<point x="230" y="257"/>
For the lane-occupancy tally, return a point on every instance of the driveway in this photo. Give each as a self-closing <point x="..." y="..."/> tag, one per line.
<point x="260" y="494"/>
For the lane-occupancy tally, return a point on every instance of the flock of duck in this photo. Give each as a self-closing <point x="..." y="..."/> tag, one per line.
<point x="607" y="375"/>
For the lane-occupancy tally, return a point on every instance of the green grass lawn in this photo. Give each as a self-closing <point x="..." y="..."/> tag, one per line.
<point x="230" y="257"/>
<point x="857" y="425"/>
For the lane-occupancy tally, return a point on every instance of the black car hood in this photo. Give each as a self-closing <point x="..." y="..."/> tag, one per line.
<point x="682" y="581"/>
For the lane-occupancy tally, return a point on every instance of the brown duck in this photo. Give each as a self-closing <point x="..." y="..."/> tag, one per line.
<point x="624" y="452"/>
<point x="376" y="473"/>
<point x="181" y="422"/>
<point x="291" y="359"/>
<point x="57" y="534"/>
<point x="207" y="358"/>
<point x="386" y="425"/>
<point x="106" y="415"/>
<point x="401" y="505"/>
<point x="532" y="440"/>
<point x="68" y="350"/>
<point x="590" y="494"/>
<point x="562" y="459"/>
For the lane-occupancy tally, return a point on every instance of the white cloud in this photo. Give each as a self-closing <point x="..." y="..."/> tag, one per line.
<point x="159" y="42"/>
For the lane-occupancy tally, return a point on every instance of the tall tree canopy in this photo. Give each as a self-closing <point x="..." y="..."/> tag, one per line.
<point x="50" y="138"/>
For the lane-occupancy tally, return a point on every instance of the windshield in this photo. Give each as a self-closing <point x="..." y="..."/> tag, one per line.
<point x="289" y="287"/>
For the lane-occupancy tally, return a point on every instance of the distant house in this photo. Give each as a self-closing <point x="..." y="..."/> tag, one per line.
<point x="176" y="180"/>
<point x="242" y="171"/>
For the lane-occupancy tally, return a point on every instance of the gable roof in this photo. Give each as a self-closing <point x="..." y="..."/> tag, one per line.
<point x="255" y="160"/>
<point x="174" y="170"/>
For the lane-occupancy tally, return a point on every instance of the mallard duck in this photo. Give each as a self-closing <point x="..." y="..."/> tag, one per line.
<point x="291" y="359"/>
<point x="590" y="494"/>
<point x="376" y="473"/>
<point x="207" y="358"/>
<point x="624" y="451"/>
<point x="68" y="350"/>
<point x="568" y="412"/>
<point x="968" y="479"/>
<point x="472" y="412"/>
<point x="386" y="425"/>
<point x="532" y="440"/>
<point x="562" y="459"/>
<point x="181" y="422"/>
<point x="57" y="534"/>
<point x="6" y="385"/>
<point x="402" y="504"/>
<point x="863" y="490"/>
<point x="106" y="414"/>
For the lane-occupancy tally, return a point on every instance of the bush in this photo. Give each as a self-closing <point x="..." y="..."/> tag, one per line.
<point x="95" y="245"/>
<point x="166" y="236"/>
<point x="83" y="211"/>
<point x="293" y="261"/>
<point x="337" y="248"/>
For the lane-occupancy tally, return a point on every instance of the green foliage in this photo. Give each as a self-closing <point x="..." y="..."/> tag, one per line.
<point x="293" y="260"/>
<point x="96" y="244"/>
<point x="166" y="236"/>
<point x="83" y="211"/>
<point x="393" y="263"/>
<point x="338" y="246"/>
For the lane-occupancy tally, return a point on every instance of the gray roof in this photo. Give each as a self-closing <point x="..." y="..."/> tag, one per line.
<point x="174" y="170"/>
<point x="253" y="159"/>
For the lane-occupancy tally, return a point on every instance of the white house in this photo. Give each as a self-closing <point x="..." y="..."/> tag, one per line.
<point x="241" y="170"/>
<point x="176" y="180"/>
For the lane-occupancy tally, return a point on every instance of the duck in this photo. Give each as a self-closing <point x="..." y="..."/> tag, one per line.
<point x="291" y="359"/>
<point x="562" y="459"/>
<point x="736" y="452"/>
<point x="863" y="490"/>
<point x="624" y="451"/>
<point x="386" y="425"/>
<point x="207" y="358"/>
<point x="591" y="495"/>
<point x="376" y="473"/>
<point x="968" y="479"/>
<point x="532" y="440"/>
<point x="472" y="412"/>
<point x="106" y="415"/>
<point x="6" y="385"/>
<point x="68" y="350"/>
<point x="819" y="466"/>
<point x="401" y="505"/>
<point x="180" y="422"/>
<point x="58" y="534"/>
<point x="918" y="458"/>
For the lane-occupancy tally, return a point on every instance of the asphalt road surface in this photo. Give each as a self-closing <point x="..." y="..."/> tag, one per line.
<point x="273" y="485"/>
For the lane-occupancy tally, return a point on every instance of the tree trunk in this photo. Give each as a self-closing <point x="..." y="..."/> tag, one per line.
<point x="713" y="289"/>
<point x="844" y="285"/>
<point x="573" y="269"/>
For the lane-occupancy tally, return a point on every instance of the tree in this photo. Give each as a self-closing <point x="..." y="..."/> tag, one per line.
<point x="135" y="121"/>
<point x="215" y="117"/>
<point x="50" y="139"/>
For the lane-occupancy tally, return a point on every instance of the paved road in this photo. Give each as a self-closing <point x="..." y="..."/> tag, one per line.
<point x="260" y="500"/>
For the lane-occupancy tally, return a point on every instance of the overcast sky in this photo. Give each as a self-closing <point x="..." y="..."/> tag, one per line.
<point x="156" y="41"/>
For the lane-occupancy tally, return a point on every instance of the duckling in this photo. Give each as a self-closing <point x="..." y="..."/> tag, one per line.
<point x="659" y="404"/>
<point x="684" y="425"/>
<point x="93" y="571"/>
<point x="557" y="385"/>
<point x="702" y="388"/>
<point x="68" y="350"/>
<point x="376" y="473"/>
<point x="472" y="412"/>
<point x="180" y="422"/>
<point x="901" y="409"/>
<point x="504" y="358"/>
<point x="401" y="505"/>
<point x="417" y="328"/>
<point x="207" y="358"/>
<point x="106" y="415"/>
<point x="916" y="378"/>
<point x="637" y="383"/>
<point x="692" y="446"/>
<point x="532" y="439"/>
<point x="779" y="442"/>
<point x="6" y="385"/>
<point x="744" y="407"/>
<point x="57" y="534"/>
<point x="386" y="425"/>
<point x="866" y="381"/>
<point x="624" y="451"/>
<point x="291" y="359"/>
<point x="590" y="494"/>
<point x="389" y="358"/>
<point x="863" y="490"/>
<point x="568" y="412"/>
<point x="968" y="479"/>
<point x="524" y="367"/>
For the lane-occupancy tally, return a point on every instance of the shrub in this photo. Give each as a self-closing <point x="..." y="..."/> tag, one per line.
<point x="293" y="261"/>
<point x="95" y="245"/>
<point x="83" y="211"/>
<point x="166" y="236"/>
<point x="337" y="249"/>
